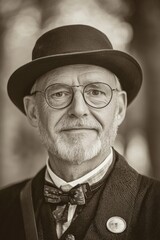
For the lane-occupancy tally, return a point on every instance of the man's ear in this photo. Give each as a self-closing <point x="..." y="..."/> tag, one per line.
<point x="31" y="110"/>
<point x="122" y="106"/>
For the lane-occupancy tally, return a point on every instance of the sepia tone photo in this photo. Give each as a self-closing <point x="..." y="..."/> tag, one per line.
<point x="79" y="120"/>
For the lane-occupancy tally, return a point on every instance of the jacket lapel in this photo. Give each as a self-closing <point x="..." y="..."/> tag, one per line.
<point x="117" y="200"/>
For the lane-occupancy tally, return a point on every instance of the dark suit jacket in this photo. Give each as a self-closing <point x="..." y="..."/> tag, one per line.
<point x="127" y="194"/>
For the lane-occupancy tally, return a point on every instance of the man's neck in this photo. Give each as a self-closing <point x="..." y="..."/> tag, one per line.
<point x="69" y="171"/>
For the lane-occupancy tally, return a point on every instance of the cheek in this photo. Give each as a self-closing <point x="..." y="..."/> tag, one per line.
<point x="105" y="117"/>
<point x="49" y="118"/>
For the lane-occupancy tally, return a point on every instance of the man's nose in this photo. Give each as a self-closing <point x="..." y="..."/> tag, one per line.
<point x="78" y="107"/>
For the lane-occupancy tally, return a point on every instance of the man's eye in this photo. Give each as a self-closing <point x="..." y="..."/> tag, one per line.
<point x="95" y="92"/>
<point x="59" y="94"/>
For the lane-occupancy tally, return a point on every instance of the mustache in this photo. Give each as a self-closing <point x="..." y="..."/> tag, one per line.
<point x="66" y="124"/>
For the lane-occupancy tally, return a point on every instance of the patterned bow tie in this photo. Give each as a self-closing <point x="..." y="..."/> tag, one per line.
<point x="76" y="195"/>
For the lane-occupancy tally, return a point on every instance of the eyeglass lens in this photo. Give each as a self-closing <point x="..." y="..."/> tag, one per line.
<point x="97" y="95"/>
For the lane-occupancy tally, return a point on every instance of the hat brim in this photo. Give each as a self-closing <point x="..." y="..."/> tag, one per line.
<point x="121" y="64"/>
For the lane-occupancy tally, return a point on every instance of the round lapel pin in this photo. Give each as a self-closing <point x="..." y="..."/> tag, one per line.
<point x="116" y="224"/>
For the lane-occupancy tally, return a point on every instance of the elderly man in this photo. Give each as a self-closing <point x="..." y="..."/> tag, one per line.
<point x="75" y="91"/>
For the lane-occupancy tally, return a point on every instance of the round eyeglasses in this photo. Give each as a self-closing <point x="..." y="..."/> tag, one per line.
<point x="96" y="95"/>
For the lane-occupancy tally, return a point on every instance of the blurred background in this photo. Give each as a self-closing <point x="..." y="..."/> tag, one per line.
<point x="131" y="25"/>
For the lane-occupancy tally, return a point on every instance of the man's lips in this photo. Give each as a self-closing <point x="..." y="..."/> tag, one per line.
<point x="78" y="129"/>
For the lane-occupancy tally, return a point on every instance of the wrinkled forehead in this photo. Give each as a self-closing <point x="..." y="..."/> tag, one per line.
<point x="79" y="74"/>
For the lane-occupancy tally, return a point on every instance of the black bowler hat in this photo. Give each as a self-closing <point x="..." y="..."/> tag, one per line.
<point x="74" y="44"/>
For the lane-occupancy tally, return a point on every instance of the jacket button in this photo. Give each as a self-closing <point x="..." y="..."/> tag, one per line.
<point x="70" y="237"/>
<point x="116" y="224"/>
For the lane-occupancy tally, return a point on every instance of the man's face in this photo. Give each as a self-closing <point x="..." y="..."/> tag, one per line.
<point x="78" y="132"/>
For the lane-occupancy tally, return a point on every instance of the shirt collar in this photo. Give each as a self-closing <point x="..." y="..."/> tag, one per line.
<point x="91" y="177"/>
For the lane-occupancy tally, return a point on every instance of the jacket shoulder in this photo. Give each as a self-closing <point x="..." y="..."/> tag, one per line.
<point x="11" y="221"/>
<point x="150" y="185"/>
<point x="147" y="187"/>
<point x="145" y="181"/>
<point x="10" y="194"/>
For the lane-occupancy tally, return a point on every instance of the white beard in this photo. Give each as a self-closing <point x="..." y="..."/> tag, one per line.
<point x="76" y="149"/>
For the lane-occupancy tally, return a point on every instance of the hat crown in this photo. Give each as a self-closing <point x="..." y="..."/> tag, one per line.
<point x="70" y="39"/>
